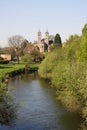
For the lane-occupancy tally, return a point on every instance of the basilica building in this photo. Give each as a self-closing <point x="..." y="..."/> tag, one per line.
<point x="42" y="43"/>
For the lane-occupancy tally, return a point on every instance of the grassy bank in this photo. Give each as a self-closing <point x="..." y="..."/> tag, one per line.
<point x="8" y="68"/>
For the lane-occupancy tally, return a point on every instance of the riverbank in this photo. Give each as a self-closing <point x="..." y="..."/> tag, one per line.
<point x="14" y="69"/>
<point x="8" y="68"/>
<point x="70" y="80"/>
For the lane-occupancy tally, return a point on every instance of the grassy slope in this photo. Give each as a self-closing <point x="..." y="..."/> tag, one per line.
<point x="5" y="68"/>
<point x="9" y="68"/>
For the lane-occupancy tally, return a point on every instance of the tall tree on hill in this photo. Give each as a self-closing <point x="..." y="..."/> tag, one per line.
<point x="15" y="43"/>
<point x="57" y="40"/>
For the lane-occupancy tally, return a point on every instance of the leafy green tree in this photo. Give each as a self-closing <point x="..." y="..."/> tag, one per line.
<point x="50" y="62"/>
<point x="84" y="43"/>
<point x="37" y="56"/>
<point x="57" y="40"/>
<point x="72" y="39"/>
<point x="27" y="59"/>
<point x="84" y="33"/>
<point x="72" y="48"/>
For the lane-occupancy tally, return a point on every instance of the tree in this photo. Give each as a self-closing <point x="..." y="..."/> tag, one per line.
<point x="84" y="33"/>
<point x="57" y="40"/>
<point x="37" y="56"/>
<point x="27" y="59"/>
<point x="15" y="44"/>
<point x="83" y="53"/>
<point x="72" y="48"/>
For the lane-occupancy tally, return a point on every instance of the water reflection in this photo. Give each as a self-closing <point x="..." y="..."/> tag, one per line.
<point x="7" y="111"/>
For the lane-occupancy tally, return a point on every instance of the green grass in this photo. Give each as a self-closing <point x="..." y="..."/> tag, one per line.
<point x="33" y="65"/>
<point x="7" y="68"/>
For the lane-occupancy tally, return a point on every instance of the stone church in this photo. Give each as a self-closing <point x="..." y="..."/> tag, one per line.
<point x="43" y="43"/>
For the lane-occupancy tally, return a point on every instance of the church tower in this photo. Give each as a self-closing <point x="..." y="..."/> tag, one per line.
<point x="47" y="37"/>
<point x="39" y="37"/>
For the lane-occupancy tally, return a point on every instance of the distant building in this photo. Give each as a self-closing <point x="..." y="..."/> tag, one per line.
<point x="5" y="54"/>
<point x="28" y="49"/>
<point x="6" y="57"/>
<point x="43" y="43"/>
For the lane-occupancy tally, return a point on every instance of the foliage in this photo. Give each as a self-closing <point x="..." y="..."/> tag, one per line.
<point x="57" y="40"/>
<point x="33" y="56"/>
<point x="49" y="63"/>
<point x="83" y="53"/>
<point x="7" y="109"/>
<point x="70" y="84"/>
<point x="37" y="56"/>
<point x="27" y="59"/>
<point x="72" y="48"/>
<point x="3" y="90"/>
<point x="67" y="69"/>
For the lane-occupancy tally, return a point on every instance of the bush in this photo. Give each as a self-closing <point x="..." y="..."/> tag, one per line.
<point x="67" y="70"/>
<point x="49" y="63"/>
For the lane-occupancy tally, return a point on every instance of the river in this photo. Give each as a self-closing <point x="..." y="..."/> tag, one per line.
<point x="36" y="107"/>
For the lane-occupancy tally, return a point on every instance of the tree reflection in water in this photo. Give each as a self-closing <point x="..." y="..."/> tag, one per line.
<point x="7" y="110"/>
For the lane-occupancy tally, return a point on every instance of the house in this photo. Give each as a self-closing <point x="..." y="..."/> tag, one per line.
<point x="28" y="49"/>
<point x="6" y="57"/>
<point x="5" y="54"/>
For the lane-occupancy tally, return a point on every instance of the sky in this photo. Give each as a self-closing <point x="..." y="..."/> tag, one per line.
<point x="26" y="17"/>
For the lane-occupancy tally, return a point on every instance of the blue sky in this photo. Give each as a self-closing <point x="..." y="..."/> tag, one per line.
<point x="26" y="17"/>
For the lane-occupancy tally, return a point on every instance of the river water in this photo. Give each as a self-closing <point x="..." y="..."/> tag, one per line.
<point x="34" y="107"/>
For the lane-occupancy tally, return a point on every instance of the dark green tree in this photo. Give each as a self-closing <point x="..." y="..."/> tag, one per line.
<point x="57" y="40"/>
